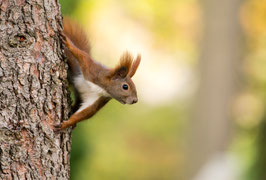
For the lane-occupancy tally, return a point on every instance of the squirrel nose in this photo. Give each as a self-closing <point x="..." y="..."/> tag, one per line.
<point x="134" y="100"/>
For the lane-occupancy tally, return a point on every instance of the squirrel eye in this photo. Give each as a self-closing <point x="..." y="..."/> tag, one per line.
<point x="125" y="86"/>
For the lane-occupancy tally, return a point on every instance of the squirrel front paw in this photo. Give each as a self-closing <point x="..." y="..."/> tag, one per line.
<point x="69" y="44"/>
<point x="57" y="127"/>
<point x="62" y="126"/>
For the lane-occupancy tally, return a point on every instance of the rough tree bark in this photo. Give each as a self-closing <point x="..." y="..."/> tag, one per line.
<point x="33" y="91"/>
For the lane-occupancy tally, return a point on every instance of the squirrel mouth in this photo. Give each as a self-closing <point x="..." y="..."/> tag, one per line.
<point x="121" y="101"/>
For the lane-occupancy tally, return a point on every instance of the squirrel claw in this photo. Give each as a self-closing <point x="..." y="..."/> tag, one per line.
<point x="68" y="43"/>
<point x="63" y="37"/>
<point x="57" y="127"/>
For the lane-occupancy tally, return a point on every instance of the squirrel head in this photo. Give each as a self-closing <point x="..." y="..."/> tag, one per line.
<point x="120" y="86"/>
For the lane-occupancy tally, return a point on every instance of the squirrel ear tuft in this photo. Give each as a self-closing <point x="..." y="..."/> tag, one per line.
<point x="122" y="70"/>
<point x="135" y="66"/>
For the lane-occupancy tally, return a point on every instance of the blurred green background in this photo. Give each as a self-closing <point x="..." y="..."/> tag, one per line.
<point x="152" y="139"/>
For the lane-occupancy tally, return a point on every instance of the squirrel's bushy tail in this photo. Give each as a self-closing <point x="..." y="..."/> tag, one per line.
<point x="76" y="34"/>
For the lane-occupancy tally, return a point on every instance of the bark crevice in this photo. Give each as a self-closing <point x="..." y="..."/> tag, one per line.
<point x="33" y="92"/>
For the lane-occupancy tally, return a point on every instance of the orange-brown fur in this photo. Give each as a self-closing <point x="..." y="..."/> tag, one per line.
<point x="95" y="75"/>
<point x="77" y="35"/>
<point x="125" y="61"/>
<point x="85" y="113"/>
<point x="74" y="31"/>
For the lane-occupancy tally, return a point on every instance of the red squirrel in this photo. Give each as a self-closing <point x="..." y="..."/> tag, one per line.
<point x="94" y="83"/>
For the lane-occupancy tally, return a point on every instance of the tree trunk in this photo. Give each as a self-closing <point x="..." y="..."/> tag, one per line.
<point x="211" y="123"/>
<point x="33" y="91"/>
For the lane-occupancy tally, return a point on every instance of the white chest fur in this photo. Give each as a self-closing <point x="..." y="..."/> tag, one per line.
<point x="89" y="92"/>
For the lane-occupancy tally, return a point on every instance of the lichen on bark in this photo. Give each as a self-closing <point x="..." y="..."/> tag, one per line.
<point x="33" y="91"/>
